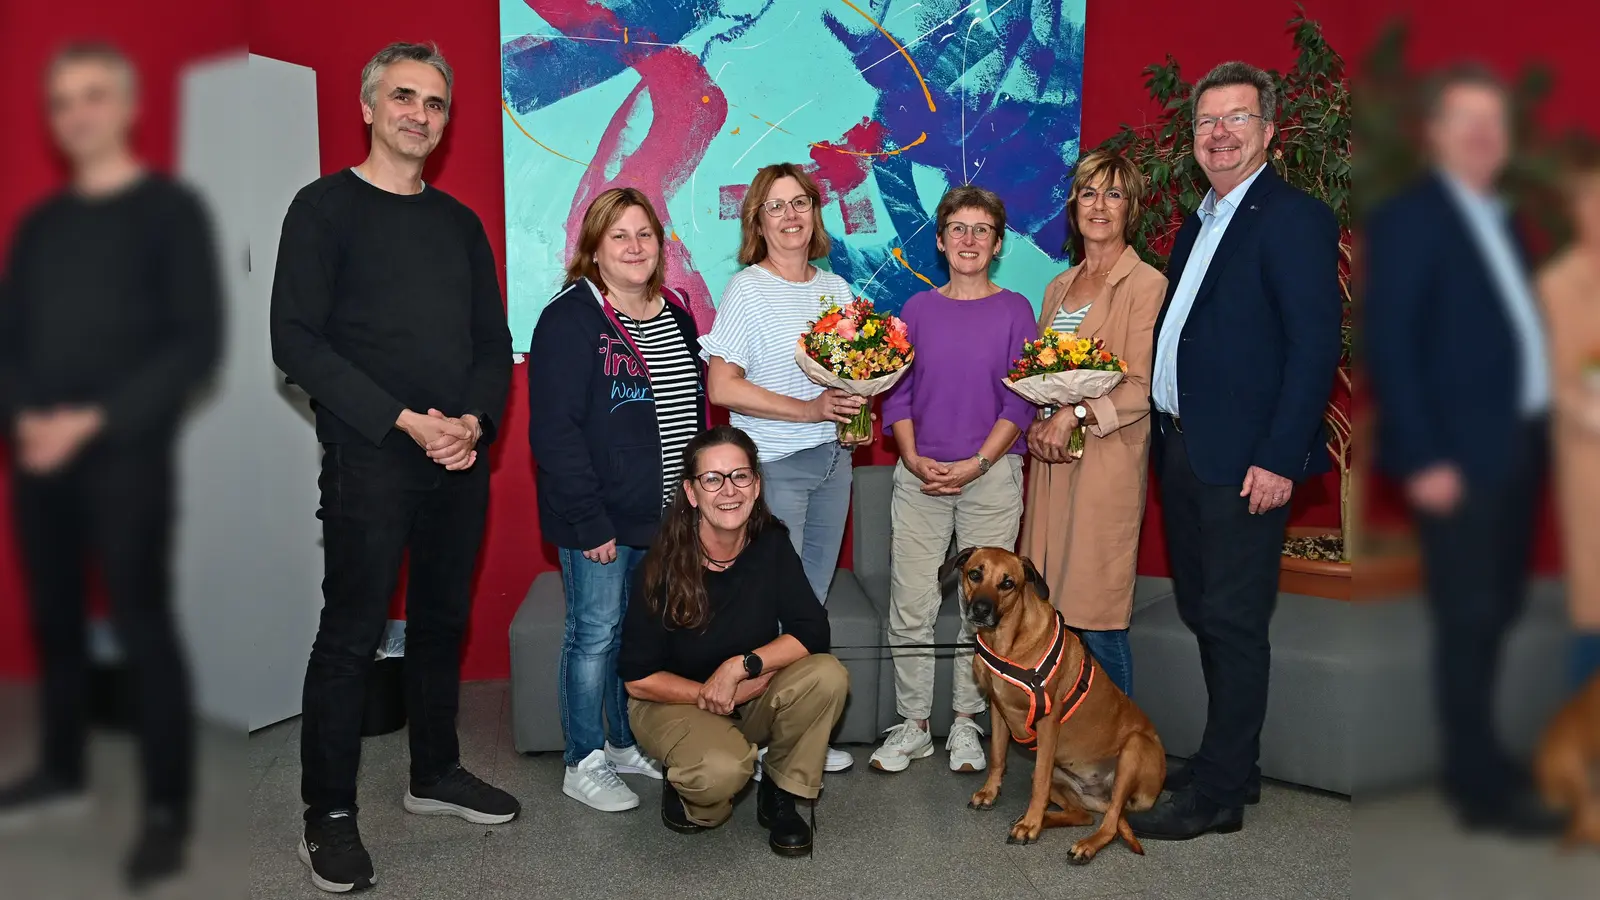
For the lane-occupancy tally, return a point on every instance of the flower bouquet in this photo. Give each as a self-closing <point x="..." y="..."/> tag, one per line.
<point x="1060" y="369"/>
<point x="855" y="349"/>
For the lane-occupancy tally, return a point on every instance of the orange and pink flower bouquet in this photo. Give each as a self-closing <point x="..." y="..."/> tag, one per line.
<point x="1063" y="369"/>
<point x="858" y="350"/>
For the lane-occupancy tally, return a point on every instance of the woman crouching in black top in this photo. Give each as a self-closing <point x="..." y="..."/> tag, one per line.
<point x="709" y="674"/>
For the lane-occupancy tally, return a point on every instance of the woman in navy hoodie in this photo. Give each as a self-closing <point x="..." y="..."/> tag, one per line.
<point x="616" y="390"/>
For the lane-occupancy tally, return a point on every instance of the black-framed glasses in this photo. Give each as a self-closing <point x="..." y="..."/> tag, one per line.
<point x="713" y="481"/>
<point x="1113" y="197"/>
<point x="958" y="230"/>
<point x="774" y="208"/>
<point x="1232" y="122"/>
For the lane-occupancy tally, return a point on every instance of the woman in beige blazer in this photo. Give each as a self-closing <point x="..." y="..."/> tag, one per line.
<point x="1081" y="518"/>
<point x="1569" y="287"/>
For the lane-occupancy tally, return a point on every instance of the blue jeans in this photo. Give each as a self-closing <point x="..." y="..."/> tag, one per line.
<point x="1111" y="649"/>
<point x="1585" y="658"/>
<point x="810" y="492"/>
<point x="597" y="595"/>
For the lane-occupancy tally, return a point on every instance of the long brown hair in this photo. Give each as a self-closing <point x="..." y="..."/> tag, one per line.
<point x="597" y="220"/>
<point x="674" y="570"/>
<point x="752" y="243"/>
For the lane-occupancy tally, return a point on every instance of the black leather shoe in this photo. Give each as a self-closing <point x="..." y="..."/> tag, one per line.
<point x="1184" y="815"/>
<point x="672" y="814"/>
<point x="1521" y="815"/>
<point x="1180" y="776"/>
<point x="789" y="835"/>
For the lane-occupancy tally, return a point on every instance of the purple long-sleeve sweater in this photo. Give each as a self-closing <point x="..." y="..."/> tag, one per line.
<point x="953" y="393"/>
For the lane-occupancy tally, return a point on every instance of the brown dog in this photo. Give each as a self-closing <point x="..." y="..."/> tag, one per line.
<point x="1105" y="753"/>
<point x="1567" y="766"/>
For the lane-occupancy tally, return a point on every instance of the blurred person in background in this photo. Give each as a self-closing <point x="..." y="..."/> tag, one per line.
<point x="110" y="315"/>
<point x="1569" y="287"/>
<point x="386" y="309"/>
<point x="1459" y="365"/>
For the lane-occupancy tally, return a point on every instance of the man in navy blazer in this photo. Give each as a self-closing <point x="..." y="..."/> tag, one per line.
<point x="1457" y="358"/>
<point x="1247" y="345"/>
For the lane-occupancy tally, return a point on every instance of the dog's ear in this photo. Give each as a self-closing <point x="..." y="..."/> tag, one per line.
<point x="950" y="572"/>
<point x="1031" y="574"/>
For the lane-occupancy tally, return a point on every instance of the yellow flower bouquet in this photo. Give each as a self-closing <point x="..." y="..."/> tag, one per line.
<point x="855" y="349"/>
<point x="1061" y="369"/>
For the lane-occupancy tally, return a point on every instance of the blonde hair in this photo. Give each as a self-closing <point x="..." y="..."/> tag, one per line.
<point x="1105" y="167"/>
<point x="597" y="220"/>
<point x="752" y="243"/>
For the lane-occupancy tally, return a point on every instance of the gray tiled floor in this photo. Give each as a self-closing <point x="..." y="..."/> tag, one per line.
<point x="907" y="835"/>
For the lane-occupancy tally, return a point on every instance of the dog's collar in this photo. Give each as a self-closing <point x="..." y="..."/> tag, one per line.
<point x="1034" y="682"/>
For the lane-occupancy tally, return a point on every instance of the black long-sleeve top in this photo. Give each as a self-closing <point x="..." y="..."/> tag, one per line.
<point x="764" y="590"/>
<point x="383" y="302"/>
<point x="113" y="301"/>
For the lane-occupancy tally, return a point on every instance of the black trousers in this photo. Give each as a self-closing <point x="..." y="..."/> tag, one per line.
<point x="1475" y="563"/>
<point x="1225" y="565"/>
<point x="378" y="503"/>
<point x="111" y="507"/>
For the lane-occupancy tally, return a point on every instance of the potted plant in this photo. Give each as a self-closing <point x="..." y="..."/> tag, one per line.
<point x="1312" y="152"/>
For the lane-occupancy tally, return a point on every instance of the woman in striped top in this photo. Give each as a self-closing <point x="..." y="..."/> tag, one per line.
<point x="1082" y="516"/>
<point x="752" y="372"/>
<point x="615" y="392"/>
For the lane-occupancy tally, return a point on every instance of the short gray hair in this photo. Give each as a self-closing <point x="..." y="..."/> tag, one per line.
<point x="403" y="52"/>
<point x="1233" y="73"/>
<point x="100" y="52"/>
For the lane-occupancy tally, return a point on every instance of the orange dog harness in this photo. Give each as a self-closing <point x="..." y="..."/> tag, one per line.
<point x="1034" y="681"/>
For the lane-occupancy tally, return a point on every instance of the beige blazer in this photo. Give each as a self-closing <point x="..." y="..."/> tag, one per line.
<point x="1081" y="519"/>
<point x="1569" y="288"/>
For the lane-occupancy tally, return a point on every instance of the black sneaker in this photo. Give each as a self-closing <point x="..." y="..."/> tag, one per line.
<point x="789" y="835"/>
<point x="332" y="849"/>
<point x="672" y="814"/>
<point x="463" y="794"/>
<point x="159" y="853"/>
<point x="39" y="796"/>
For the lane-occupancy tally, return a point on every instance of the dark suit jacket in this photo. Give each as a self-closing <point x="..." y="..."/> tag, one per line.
<point x="1261" y="344"/>
<point x="1439" y="345"/>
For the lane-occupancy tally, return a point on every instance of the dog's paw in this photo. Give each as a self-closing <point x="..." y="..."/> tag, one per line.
<point x="1024" y="831"/>
<point x="1080" y="854"/>
<point x="983" y="799"/>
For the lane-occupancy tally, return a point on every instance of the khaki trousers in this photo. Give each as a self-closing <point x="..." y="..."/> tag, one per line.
<point x="710" y="758"/>
<point x="987" y="513"/>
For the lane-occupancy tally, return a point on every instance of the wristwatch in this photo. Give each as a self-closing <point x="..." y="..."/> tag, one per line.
<point x="983" y="463"/>
<point x="752" y="665"/>
<point x="1081" y="411"/>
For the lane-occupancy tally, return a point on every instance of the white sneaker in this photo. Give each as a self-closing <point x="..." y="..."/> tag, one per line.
<point x="837" y="761"/>
<point x="906" y="741"/>
<point x="966" y="751"/>
<point x="595" y="784"/>
<point x="632" y="761"/>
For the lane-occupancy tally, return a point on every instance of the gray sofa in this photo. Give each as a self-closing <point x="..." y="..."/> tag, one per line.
<point x="1350" y="707"/>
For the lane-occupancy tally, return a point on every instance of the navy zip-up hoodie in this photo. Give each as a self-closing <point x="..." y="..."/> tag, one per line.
<point x="596" y="447"/>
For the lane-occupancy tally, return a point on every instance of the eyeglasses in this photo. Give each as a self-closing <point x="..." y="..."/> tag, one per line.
<point x="774" y="208"/>
<point x="958" y="230"/>
<point x="1232" y="122"/>
<point x="1113" y="197"/>
<point x="712" y="481"/>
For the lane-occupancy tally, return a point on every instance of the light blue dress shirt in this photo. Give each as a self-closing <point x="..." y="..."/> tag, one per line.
<point x="1487" y="221"/>
<point x="1215" y="214"/>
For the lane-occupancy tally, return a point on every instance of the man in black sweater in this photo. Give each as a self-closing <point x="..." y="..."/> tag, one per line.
<point x="386" y="309"/>
<point x="109" y="321"/>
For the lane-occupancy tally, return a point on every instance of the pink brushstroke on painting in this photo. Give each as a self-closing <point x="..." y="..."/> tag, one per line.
<point x="844" y="175"/>
<point x="681" y="128"/>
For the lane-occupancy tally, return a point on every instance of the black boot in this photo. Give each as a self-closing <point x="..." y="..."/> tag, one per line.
<point x="1180" y="776"/>
<point x="158" y="855"/>
<point x="1184" y="815"/>
<point x="672" y="814"/>
<point x="789" y="834"/>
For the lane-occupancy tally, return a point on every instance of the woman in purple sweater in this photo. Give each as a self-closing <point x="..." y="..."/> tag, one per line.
<point x="960" y="474"/>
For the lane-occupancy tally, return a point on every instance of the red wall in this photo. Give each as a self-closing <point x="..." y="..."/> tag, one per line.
<point x="336" y="39"/>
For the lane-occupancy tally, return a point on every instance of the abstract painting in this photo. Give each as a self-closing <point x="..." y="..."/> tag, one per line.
<point x="888" y="104"/>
